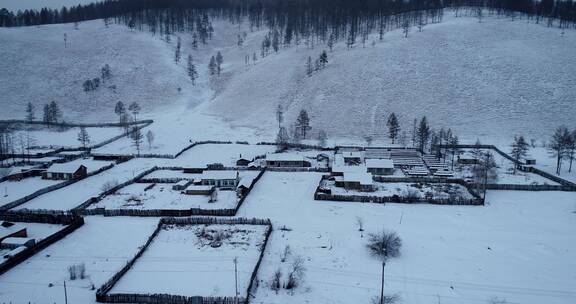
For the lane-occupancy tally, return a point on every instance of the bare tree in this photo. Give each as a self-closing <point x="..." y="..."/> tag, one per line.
<point x="557" y="146"/>
<point x="296" y="274"/>
<point x="30" y="115"/>
<point x="282" y="139"/>
<point x="322" y="138"/>
<point x="384" y="245"/>
<point x="83" y="137"/>
<point x="275" y="283"/>
<point x="136" y="136"/>
<point x="287" y="251"/>
<point x="150" y="138"/>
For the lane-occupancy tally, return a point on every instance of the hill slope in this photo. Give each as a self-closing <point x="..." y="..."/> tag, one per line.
<point x="488" y="80"/>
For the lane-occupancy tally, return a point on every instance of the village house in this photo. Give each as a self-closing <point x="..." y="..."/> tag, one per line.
<point x="380" y="166"/>
<point x="65" y="171"/>
<point x="220" y="179"/>
<point x="15" y="242"/>
<point x="183" y="184"/>
<point x="9" y="230"/>
<point x="199" y="190"/>
<point x="286" y="160"/>
<point x="355" y="181"/>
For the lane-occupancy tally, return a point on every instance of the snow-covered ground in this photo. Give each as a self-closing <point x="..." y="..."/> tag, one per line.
<point x="182" y="261"/>
<point x="505" y="171"/>
<point x="68" y="138"/>
<point x="161" y="196"/>
<point x="77" y="193"/>
<point x="103" y="245"/>
<point x="520" y="247"/>
<point x="435" y="191"/>
<point x="13" y="190"/>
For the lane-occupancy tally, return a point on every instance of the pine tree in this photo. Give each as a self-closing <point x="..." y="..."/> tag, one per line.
<point x="83" y="137"/>
<point x="331" y="41"/>
<point x="105" y="73"/>
<point x="55" y="113"/>
<point x="195" y="41"/>
<point x="309" y="67"/>
<point x="135" y="109"/>
<point x="303" y="124"/>
<point x="219" y="61"/>
<point x="212" y="65"/>
<point x="393" y="127"/>
<point x="519" y="150"/>
<point x="323" y="59"/>
<point x="120" y="109"/>
<point x="282" y="139"/>
<point x="177" y="53"/>
<point x="30" y="115"/>
<point x="423" y="134"/>
<point x="192" y="73"/>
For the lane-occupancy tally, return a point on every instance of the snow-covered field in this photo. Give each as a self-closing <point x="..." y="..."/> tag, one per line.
<point x="68" y="138"/>
<point x="520" y="247"/>
<point x="504" y="170"/>
<point x="77" y="193"/>
<point x="181" y="260"/>
<point x="13" y="190"/>
<point x="161" y="196"/>
<point x="103" y="245"/>
<point x="435" y="191"/>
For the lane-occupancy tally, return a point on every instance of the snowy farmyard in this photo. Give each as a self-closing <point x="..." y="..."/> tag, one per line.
<point x="275" y="152"/>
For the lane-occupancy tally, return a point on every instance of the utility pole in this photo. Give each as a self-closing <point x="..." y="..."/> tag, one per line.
<point x="236" y="280"/>
<point x="382" y="287"/>
<point x="65" y="294"/>
<point x="485" y="169"/>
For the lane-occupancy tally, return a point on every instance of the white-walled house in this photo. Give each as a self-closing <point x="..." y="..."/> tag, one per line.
<point x="220" y="178"/>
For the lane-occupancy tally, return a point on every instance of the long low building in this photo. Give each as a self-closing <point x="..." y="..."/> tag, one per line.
<point x="286" y="160"/>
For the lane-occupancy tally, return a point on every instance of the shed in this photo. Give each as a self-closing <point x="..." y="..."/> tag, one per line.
<point x="530" y="161"/>
<point x="199" y="190"/>
<point x="183" y="184"/>
<point x="65" y="171"/>
<point x="380" y="166"/>
<point x="352" y="157"/>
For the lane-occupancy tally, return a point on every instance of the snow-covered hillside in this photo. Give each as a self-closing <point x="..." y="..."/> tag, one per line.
<point x="489" y="80"/>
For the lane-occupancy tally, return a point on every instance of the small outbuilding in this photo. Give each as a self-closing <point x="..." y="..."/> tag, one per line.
<point x="65" y="171"/>
<point x="356" y="181"/>
<point x="380" y="166"/>
<point x="199" y="190"/>
<point x="183" y="184"/>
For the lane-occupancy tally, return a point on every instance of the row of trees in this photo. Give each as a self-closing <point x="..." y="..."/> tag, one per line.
<point x="294" y="17"/>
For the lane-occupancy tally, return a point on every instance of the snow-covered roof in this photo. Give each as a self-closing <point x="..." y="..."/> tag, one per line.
<point x="340" y="168"/>
<point x="364" y="178"/>
<point x="6" y="229"/>
<point x="184" y="182"/>
<point x="65" y="167"/>
<point x="380" y="163"/>
<point x="352" y="154"/>
<point x="199" y="188"/>
<point x="219" y="174"/>
<point x="16" y="240"/>
<point x="284" y="157"/>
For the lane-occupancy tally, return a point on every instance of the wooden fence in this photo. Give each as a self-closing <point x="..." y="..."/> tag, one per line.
<point x="475" y="201"/>
<point x="82" y="209"/>
<point x="103" y="295"/>
<point x="42" y="191"/>
<point x="72" y="222"/>
<point x="568" y="186"/>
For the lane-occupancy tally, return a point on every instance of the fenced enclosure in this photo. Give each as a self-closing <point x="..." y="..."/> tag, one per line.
<point x="103" y="293"/>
